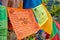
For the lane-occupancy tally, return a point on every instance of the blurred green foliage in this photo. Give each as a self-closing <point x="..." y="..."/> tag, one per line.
<point x="53" y="6"/>
<point x="55" y="10"/>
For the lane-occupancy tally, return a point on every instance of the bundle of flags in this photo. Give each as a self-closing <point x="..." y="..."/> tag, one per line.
<point x="28" y="18"/>
<point x="52" y="7"/>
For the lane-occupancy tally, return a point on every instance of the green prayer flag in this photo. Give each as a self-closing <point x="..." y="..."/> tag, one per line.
<point x="54" y="30"/>
<point x="3" y="23"/>
<point x="40" y="14"/>
<point x="3" y="38"/>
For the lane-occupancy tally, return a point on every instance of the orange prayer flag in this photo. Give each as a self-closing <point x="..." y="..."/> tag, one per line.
<point x="23" y="22"/>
